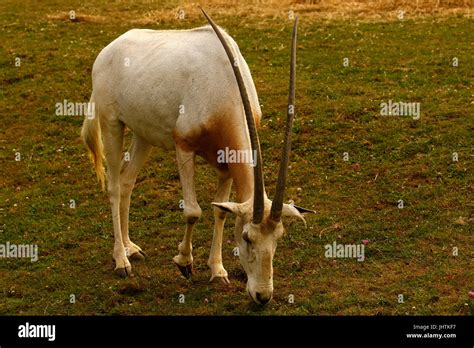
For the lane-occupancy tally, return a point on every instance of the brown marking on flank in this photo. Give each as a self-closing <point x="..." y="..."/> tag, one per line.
<point x="207" y="139"/>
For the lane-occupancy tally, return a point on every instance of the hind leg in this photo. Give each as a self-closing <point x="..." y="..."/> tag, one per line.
<point x="112" y="131"/>
<point x="138" y="152"/>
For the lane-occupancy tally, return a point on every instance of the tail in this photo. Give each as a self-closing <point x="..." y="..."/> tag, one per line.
<point x="91" y="136"/>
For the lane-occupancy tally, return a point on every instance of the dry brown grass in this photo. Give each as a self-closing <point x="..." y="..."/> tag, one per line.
<point x="66" y="17"/>
<point x="153" y="12"/>
<point x="316" y="9"/>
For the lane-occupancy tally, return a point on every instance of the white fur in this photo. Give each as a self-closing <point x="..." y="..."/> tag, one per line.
<point x="142" y="80"/>
<point x="169" y="68"/>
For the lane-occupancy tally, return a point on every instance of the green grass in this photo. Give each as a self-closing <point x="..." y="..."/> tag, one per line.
<point x="390" y="158"/>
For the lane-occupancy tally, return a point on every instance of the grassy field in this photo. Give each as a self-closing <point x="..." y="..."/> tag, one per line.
<point x="410" y="250"/>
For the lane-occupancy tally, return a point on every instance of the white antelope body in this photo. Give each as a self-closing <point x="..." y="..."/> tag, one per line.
<point x="176" y="89"/>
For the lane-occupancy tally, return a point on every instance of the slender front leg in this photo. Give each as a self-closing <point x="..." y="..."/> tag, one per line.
<point x="215" y="256"/>
<point x="192" y="211"/>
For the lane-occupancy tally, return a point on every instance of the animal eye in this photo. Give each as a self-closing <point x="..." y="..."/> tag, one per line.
<point x="245" y="236"/>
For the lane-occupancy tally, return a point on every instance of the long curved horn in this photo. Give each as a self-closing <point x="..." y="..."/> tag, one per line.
<point x="257" y="170"/>
<point x="277" y="204"/>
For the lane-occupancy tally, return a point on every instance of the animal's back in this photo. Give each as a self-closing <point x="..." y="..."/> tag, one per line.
<point x="149" y="79"/>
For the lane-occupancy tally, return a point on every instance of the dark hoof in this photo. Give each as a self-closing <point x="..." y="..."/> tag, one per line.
<point x="138" y="256"/>
<point x="123" y="272"/>
<point x="187" y="271"/>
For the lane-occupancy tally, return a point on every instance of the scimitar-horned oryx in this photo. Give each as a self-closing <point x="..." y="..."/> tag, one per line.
<point x="180" y="89"/>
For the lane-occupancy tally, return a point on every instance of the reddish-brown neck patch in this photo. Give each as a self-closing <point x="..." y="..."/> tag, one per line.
<point x="224" y="132"/>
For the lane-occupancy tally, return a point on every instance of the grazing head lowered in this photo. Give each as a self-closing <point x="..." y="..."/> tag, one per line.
<point x="259" y="224"/>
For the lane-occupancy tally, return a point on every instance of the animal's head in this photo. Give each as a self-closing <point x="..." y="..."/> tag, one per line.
<point x="259" y="221"/>
<point x="257" y="242"/>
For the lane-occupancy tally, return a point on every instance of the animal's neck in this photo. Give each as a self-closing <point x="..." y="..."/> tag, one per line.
<point x="242" y="175"/>
<point x="232" y="135"/>
<point x="244" y="184"/>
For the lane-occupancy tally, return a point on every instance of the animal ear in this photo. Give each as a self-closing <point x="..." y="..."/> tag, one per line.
<point x="229" y="207"/>
<point x="293" y="210"/>
<point x="303" y="210"/>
